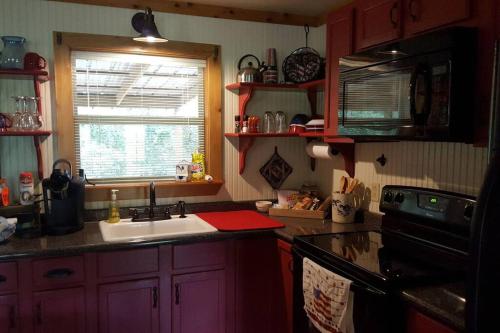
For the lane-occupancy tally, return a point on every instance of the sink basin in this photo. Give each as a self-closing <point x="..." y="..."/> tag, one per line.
<point x="127" y="230"/>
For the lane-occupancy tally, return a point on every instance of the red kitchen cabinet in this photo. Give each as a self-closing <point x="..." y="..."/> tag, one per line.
<point x="377" y="22"/>
<point x="59" y="311"/>
<point x="286" y="285"/>
<point x="420" y="323"/>
<point x="129" y="307"/>
<point x="421" y="15"/>
<point x="198" y="302"/>
<point x="339" y="43"/>
<point x="9" y="314"/>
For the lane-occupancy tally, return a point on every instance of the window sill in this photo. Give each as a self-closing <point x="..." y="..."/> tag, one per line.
<point x="164" y="189"/>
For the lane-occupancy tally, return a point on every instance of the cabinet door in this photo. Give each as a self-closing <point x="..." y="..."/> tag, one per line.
<point x="419" y="323"/>
<point x="8" y="314"/>
<point x="339" y="43"/>
<point x="378" y="21"/>
<point x="198" y="303"/>
<point x="129" y="307"/>
<point x="423" y="15"/>
<point x="286" y="283"/>
<point x="59" y="311"/>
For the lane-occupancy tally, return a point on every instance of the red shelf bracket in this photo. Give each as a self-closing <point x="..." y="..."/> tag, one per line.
<point x="244" y="145"/>
<point x="245" y="95"/>
<point x="347" y="151"/>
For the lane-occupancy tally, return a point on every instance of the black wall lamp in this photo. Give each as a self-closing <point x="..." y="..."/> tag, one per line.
<point x="144" y="23"/>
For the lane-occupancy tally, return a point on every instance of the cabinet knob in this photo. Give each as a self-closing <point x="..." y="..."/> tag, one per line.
<point x="413" y="10"/>
<point x="393" y="13"/>
<point x="177" y="294"/>
<point x="155" y="297"/>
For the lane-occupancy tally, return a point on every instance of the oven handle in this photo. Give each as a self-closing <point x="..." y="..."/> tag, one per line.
<point x="354" y="284"/>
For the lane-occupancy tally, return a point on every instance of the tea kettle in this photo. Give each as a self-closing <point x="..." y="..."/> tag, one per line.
<point x="249" y="73"/>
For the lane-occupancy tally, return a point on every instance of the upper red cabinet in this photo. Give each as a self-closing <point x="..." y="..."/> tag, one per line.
<point x="339" y="43"/>
<point x="421" y="15"/>
<point x="377" y="21"/>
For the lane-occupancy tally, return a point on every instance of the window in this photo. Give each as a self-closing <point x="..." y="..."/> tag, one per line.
<point x="128" y="112"/>
<point x="136" y="116"/>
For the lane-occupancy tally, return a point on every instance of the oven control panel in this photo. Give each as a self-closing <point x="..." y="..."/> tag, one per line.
<point x="430" y="204"/>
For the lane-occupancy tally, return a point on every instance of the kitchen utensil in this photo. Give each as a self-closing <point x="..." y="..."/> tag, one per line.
<point x="12" y="56"/>
<point x="5" y="122"/>
<point x="344" y="206"/>
<point x="34" y="61"/>
<point x="276" y="170"/>
<point x="269" y="125"/>
<point x="249" y="73"/>
<point x="304" y="64"/>
<point x="353" y="182"/>
<point x="281" y="123"/>
<point x="343" y="184"/>
<point x="263" y="206"/>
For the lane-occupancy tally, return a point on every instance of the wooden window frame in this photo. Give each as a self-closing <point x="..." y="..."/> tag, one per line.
<point x="65" y="43"/>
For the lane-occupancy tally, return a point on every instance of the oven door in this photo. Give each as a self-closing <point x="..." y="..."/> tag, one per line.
<point x="374" y="311"/>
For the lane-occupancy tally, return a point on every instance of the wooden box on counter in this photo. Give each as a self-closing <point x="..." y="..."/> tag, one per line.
<point x="300" y="213"/>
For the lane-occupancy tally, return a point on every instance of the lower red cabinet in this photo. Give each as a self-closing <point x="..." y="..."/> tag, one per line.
<point x="198" y="302"/>
<point x="286" y="285"/>
<point x="9" y="314"/>
<point x="59" y="311"/>
<point x="129" y="307"/>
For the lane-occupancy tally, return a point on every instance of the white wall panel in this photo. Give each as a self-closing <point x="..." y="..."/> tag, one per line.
<point x="453" y="167"/>
<point x="37" y="19"/>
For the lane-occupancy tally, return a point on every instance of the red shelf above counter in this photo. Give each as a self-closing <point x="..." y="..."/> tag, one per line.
<point x="260" y="135"/>
<point x="23" y="74"/>
<point x="25" y="133"/>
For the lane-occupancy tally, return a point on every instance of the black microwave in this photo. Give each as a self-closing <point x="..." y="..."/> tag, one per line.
<point x="416" y="89"/>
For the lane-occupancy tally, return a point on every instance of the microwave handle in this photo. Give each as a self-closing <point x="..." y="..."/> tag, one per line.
<point x="420" y="112"/>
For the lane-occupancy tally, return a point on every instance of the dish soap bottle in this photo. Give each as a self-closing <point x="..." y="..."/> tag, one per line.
<point x="114" y="209"/>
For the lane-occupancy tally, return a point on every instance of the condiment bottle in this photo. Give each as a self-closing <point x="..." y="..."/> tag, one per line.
<point x="26" y="188"/>
<point x="4" y="192"/>
<point x="244" y="129"/>
<point x="237" y="124"/>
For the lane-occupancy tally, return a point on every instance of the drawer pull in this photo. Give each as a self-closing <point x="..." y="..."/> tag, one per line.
<point x="3" y="279"/>
<point x="12" y="317"/>
<point x="177" y="293"/>
<point x="39" y="313"/>
<point x="59" y="273"/>
<point x="155" y="297"/>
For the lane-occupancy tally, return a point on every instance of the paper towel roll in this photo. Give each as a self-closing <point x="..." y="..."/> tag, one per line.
<point x="319" y="150"/>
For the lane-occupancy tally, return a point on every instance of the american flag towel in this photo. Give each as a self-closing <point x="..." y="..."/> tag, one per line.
<point x="328" y="301"/>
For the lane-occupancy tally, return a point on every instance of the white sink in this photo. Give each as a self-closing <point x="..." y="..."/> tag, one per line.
<point x="127" y="230"/>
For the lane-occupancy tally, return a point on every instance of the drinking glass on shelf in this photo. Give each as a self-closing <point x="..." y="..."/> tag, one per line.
<point x="20" y="106"/>
<point x="269" y="126"/>
<point x="281" y="123"/>
<point x="32" y="107"/>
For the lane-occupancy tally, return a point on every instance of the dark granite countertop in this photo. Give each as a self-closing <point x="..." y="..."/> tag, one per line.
<point x="445" y="302"/>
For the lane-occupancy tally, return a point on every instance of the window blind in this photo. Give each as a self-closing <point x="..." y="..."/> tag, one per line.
<point x="135" y="116"/>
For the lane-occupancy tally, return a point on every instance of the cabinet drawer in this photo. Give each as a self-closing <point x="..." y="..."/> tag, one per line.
<point x="198" y="255"/>
<point x="8" y="277"/>
<point x="127" y="262"/>
<point x="56" y="272"/>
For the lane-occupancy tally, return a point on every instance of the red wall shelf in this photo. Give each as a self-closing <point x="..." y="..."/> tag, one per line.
<point x="260" y="135"/>
<point x="38" y="77"/>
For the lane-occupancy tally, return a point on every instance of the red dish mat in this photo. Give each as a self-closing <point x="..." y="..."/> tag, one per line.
<point x="239" y="220"/>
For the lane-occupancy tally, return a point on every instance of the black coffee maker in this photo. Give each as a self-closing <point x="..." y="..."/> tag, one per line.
<point x="64" y="200"/>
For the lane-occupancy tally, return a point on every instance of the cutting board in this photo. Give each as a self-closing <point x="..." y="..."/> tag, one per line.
<point x="239" y="220"/>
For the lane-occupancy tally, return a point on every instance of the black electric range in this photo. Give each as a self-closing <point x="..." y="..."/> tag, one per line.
<point x="423" y="240"/>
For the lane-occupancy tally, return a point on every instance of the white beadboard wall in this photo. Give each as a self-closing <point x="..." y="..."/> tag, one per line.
<point x="448" y="166"/>
<point x="37" y="19"/>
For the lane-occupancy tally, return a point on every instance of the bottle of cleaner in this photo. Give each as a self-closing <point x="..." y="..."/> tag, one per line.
<point x="114" y="209"/>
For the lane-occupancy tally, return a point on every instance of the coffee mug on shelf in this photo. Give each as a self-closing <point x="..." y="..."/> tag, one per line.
<point x="34" y="61"/>
<point x="344" y="207"/>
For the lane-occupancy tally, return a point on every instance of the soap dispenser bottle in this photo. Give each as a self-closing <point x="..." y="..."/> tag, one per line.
<point x="114" y="209"/>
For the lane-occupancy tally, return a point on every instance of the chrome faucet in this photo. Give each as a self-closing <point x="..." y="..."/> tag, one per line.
<point x="152" y="200"/>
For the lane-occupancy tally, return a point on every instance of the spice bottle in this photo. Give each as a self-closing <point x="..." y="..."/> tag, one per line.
<point x="237" y="124"/>
<point x="244" y="129"/>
